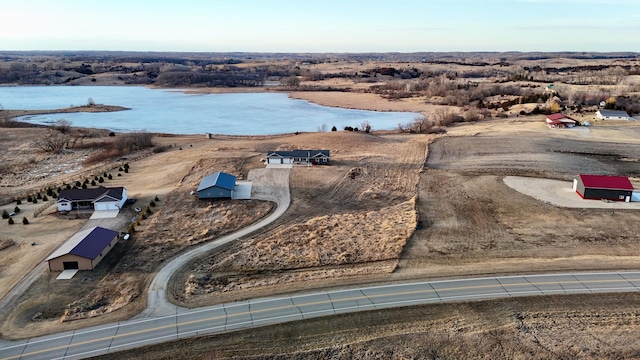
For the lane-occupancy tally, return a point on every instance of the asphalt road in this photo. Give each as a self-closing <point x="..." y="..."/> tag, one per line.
<point x="264" y="311"/>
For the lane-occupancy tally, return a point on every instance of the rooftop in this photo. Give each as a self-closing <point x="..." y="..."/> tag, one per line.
<point x="91" y="194"/>
<point x="219" y="179"/>
<point x="299" y="153"/>
<point x="605" y="112"/>
<point x="607" y="182"/>
<point x="558" y="116"/>
<point x="87" y="243"/>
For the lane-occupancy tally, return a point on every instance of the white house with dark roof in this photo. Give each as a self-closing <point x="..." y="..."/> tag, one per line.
<point x="299" y="157"/>
<point x="604" y="114"/>
<point x="100" y="198"/>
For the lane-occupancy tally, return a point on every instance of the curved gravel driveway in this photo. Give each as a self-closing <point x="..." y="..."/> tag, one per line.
<point x="267" y="184"/>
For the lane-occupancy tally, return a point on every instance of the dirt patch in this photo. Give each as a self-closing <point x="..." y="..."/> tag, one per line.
<point x="532" y="154"/>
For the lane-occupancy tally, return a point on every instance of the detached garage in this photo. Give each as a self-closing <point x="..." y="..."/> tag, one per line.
<point x="84" y="250"/>
<point x="597" y="187"/>
<point x="218" y="185"/>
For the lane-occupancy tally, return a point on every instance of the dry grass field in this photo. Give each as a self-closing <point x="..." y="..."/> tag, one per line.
<point x="594" y="326"/>
<point x="347" y="223"/>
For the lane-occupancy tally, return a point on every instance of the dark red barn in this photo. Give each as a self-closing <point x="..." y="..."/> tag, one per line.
<point x="615" y="188"/>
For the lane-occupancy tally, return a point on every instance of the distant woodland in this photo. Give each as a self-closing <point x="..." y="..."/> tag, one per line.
<point x="492" y="81"/>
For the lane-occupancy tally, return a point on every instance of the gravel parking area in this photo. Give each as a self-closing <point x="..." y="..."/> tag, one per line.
<point x="560" y="193"/>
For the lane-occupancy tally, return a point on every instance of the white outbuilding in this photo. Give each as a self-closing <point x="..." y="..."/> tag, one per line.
<point x="612" y="115"/>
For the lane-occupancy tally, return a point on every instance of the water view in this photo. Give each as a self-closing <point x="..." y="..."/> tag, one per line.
<point x="173" y="111"/>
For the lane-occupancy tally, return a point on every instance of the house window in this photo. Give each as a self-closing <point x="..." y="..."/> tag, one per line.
<point x="324" y="160"/>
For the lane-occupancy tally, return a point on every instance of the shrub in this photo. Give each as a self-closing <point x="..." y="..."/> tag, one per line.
<point x="5" y="214"/>
<point x="148" y="210"/>
<point x="120" y="168"/>
<point x="35" y="201"/>
<point x="11" y="222"/>
<point x="29" y="198"/>
<point x="49" y="192"/>
<point x="16" y="209"/>
<point x="84" y="186"/>
<point x="78" y="184"/>
<point x="334" y="128"/>
<point x="39" y="196"/>
<point x="126" y="166"/>
<point x="101" y="180"/>
<point x="152" y="203"/>
<point x="68" y="187"/>
<point x="110" y="177"/>
<point x="112" y="134"/>
<point x="18" y="202"/>
<point x="156" y="199"/>
<point x="93" y="183"/>
<point x="25" y="221"/>
<point x="45" y="198"/>
<point x="126" y="170"/>
<point x="119" y="174"/>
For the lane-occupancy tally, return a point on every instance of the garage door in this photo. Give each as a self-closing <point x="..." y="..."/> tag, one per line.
<point x="70" y="265"/>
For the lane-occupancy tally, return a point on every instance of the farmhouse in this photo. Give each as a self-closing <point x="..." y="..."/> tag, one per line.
<point x="100" y="198"/>
<point x="299" y="157"/>
<point x="560" y="121"/>
<point x="84" y="250"/>
<point x="615" y="188"/>
<point x="612" y="115"/>
<point x="218" y="185"/>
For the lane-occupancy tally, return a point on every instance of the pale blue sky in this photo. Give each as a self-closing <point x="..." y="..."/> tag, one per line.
<point x="321" y="25"/>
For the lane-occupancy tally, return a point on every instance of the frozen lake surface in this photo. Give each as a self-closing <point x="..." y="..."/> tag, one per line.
<point x="173" y="111"/>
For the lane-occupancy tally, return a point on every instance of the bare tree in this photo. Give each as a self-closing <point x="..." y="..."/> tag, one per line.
<point x="365" y="126"/>
<point x="53" y="142"/>
<point x="5" y="119"/>
<point x="133" y="141"/>
<point x="421" y="124"/>
<point x="323" y="128"/>
<point x="291" y="81"/>
<point x="62" y="125"/>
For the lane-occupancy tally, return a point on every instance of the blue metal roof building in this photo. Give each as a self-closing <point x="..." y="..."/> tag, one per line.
<point x="218" y="185"/>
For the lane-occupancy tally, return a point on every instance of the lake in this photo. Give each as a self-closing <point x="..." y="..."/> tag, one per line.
<point x="174" y="111"/>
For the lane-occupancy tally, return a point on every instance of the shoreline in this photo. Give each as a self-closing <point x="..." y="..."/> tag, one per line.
<point x="333" y="99"/>
<point x="98" y="108"/>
